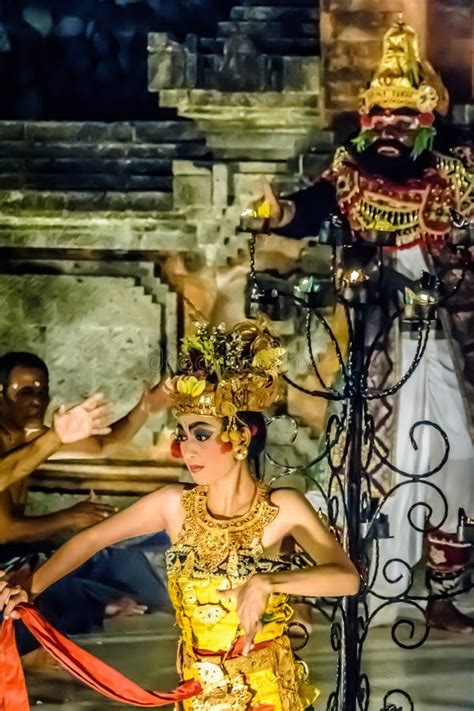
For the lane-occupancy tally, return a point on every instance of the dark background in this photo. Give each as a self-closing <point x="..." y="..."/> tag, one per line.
<point x="87" y="59"/>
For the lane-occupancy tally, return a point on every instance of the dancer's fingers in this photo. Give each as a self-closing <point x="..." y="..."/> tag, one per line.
<point x="16" y="598"/>
<point x="5" y="595"/>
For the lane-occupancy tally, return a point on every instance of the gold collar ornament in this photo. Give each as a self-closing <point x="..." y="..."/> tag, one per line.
<point x="403" y="79"/>
<point x="221" y="373"/>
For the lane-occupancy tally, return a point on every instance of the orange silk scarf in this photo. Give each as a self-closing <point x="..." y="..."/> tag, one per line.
<point x="82" y="664"/>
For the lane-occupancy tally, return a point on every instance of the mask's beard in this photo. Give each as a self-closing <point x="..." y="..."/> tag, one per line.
<point x="397" y="169"/>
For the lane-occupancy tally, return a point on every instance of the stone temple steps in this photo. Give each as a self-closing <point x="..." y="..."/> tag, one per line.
<point x="133" y="157"/>
<point x="283" y="22"/>
<point x="263" y="46"/>
<point x="276" y="28"/>
<point x="287" y="46"/>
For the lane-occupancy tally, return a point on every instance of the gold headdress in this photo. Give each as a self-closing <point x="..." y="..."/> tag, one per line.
<point x="402" y="78"/>
<point x="221" y="373"/>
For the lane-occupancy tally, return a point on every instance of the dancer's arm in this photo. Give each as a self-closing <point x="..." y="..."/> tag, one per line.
<point x="148" y="515"/>
<point x="333" y="574"/>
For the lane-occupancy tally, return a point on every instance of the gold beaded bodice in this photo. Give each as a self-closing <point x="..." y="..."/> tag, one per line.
<point x="211" y="555"/>
<point x="215" y="541"/>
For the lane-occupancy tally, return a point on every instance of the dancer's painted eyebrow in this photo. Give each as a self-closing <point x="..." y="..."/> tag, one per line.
<point x="194" y="425"/>
<point x="200" y="424"/>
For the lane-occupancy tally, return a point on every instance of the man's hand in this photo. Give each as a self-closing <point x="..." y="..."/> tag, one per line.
<point x="10" y="597"/>
<point x="266" y="213"/>
<point x="252" y="600"/>
<point x="275" y="209"/>
<point x="155" y="398"/>
<point x="86" y="420"/>
<point x="87" y="513"/>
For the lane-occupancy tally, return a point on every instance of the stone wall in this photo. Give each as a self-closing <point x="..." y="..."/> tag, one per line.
<point x="98" y="332"/>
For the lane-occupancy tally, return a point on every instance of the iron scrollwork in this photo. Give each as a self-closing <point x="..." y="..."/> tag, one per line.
<point x="352" y="449"/>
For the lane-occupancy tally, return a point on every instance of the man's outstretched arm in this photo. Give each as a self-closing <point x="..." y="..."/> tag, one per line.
<point x="154" y="399"/>
<point x="20" y="462"/>
<point x="299" y="215"/>
<point x="307" y="209"/>
<point x="18" y="528"/>
<point x="85" y="420"/>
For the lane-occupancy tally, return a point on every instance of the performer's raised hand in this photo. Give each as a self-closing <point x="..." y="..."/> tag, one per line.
<point x="275" y="209"/>
<point x="90" y="418"/>
<point x="267" y="213"/>
<point x="251" y="604"/>
<point x="10" y="597"/>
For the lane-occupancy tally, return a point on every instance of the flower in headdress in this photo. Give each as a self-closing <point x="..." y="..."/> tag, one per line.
<point x="221" y="373"/>
<point x="190" y="385"/>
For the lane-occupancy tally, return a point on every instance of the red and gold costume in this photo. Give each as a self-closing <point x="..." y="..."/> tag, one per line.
<point x="417" y="210"/>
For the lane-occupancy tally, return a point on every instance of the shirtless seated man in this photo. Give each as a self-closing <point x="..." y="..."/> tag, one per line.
<point x="25" y="443"/>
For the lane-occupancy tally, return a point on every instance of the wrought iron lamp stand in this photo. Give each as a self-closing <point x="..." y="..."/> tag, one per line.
<point x="352" y="445"/>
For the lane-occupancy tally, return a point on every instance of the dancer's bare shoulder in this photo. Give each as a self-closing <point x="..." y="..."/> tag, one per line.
<point x="168" y="501"/>
<point x="296" y="513"/>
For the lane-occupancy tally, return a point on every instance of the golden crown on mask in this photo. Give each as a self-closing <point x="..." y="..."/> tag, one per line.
<point x="403" y="79"/>
<point x="221" y="373"/>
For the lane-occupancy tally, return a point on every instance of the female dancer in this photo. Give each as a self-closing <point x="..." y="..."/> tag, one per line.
<point x="228" y="582"/>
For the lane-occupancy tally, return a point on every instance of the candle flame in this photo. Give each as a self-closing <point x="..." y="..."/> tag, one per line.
<point x="355" y="276"/>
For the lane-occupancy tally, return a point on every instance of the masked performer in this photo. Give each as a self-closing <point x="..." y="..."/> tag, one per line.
<point x="390" y="179"/>
<point x="228" y="581"/>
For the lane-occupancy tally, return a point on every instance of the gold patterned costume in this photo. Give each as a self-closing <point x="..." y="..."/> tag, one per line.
<point x="211" y="555"/>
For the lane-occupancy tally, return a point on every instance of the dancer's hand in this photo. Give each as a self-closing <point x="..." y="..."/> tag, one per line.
<point x="10" y="597"/>
<point x="90" y="418"/>
<point x="252" y="600"/>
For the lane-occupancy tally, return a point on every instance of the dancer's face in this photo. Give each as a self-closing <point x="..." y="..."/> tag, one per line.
<point x="205" y="455"/>
<point x="26" y="397"/>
